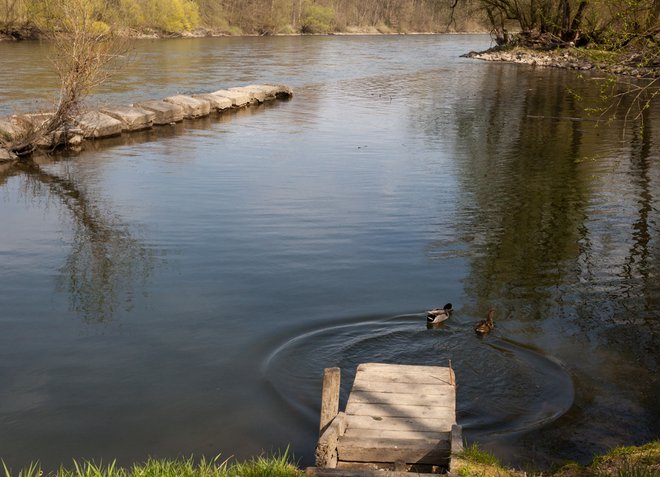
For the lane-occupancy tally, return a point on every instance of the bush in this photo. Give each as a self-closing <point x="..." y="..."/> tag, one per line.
<point x="317" y="19"/>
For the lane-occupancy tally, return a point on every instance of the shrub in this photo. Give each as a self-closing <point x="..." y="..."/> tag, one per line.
<point x="317" y="19"/>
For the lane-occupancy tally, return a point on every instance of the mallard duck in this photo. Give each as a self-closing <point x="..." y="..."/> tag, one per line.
<point x="438" y="315"/>
<point x="484" y="326"/>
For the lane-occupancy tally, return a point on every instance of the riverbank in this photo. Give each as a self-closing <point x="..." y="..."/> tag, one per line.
<point x="642" y="461"/>
<point x="32" y="34"/>
<point x="629" y="461"/>
<point x="629" y="63"/>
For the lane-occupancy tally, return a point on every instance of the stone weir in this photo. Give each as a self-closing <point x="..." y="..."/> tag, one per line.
<point x="111" y="121"/>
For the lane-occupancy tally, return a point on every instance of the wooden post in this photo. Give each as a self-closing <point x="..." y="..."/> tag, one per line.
<point x="456" y="443"/>
<point x="452" y="377"/>
<point x="329" y="397"/>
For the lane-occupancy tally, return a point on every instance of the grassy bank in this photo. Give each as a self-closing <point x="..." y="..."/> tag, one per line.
<point x="257" y="467"/>
<point x="642" y="461"/>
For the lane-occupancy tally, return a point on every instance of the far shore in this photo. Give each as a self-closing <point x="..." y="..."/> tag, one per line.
<point x="26" y="34"/>
<point x="566" y="57"/>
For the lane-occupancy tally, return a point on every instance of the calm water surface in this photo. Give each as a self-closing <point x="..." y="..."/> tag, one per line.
<point x="180" y="291"/>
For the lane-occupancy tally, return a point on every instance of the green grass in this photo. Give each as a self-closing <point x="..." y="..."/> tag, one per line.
<point x="279" y="466"/>
<point x="636" y="470"/>
<point x="473" y="453"/>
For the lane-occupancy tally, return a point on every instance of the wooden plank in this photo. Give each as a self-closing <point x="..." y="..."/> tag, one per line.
<point x="416" y="373"/>
<point x="447" y="395"/>
<point x="326" y="449"/>
<point x="379" y="367"/>
<point x="329" y="397"/>
<point x="402" y="377"/>
<point x="456" y="439"/>
<point x="319" y="472"/>
<point x="390" y="466"/>
<point x="401" y="423"/>
<point x="392" y="450"/>
<point x="387" y="434"/>
<point x="403" y="388"/>
<point x="439" y="410"/>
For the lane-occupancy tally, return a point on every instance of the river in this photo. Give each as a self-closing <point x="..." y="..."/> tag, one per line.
<point x="180" y="291"/>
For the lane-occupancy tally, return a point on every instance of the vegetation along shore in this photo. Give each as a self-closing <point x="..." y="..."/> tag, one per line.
<point x="642" y="461"/>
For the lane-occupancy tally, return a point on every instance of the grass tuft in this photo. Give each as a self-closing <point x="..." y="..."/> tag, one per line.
<point x="473" y="453"/>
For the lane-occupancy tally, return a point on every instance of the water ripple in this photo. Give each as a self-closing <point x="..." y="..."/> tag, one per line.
<point x="503" y="386"/>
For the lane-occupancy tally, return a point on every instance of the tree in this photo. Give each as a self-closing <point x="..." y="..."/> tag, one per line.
<point x="84" y="50"/>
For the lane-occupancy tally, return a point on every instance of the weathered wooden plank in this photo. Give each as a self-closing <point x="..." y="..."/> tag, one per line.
<point x="329" y="396"/>
<point x="361" y="472"/>
<point x="392" y="467"/>
<point x="392" y="450"/>
<point x="321" y="472"/>
<point x="439" y="410"/>
<point x="388" y="434"/>
<point x="403" y="388"/>
<point x="456" y="439"/>
<point x="384" y="367"/>
<point x="411" y="399"/>
<point x="413" y="377"/>
<point x="326" y="449"/>
<point x="401" y="423"/>
<point x="438" y="371"/>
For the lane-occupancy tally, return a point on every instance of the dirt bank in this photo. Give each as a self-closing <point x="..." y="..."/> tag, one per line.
<point x="631" y="63"/>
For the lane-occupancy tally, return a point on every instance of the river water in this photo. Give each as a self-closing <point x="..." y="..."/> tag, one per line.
<point x="180" y="291"/>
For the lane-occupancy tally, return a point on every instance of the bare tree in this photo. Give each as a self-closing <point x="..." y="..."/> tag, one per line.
<point x="85" y="51"/>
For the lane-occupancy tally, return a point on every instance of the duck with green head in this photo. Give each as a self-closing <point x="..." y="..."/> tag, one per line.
<point x="438" y="315"/>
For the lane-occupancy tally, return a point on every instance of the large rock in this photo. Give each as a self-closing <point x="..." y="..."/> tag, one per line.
<point x="34" y="121"/>
<point x="217" y="102"/>
<point x="238" y="99"/>
<point x="257" y="95"/>
<point x="165" y="113"/>
<point x="268" y="91"/>
<point x="192" y="107"/>
<point x="96" y="125"/>
<point x="6" y="156"/>
<point x="280" y="90"/>
<point x="131" y="117"/>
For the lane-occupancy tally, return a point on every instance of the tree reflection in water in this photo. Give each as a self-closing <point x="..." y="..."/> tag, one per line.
<point x="560" y="230"/>
<point x="107" y="265"/>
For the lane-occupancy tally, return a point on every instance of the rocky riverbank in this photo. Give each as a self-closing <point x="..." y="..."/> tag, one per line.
<point x="630" y="64"/>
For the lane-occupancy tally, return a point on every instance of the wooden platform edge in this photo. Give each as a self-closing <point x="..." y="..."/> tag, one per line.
<point x="456" y="445"/>
<point x="326" y="449"/>
<point x="392" y="456"/>
<point x="324" y="472"/>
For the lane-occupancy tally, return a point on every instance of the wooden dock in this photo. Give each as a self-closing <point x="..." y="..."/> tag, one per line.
<point x="398" y="418"/>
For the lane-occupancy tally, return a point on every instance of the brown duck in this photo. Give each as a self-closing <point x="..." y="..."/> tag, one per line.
<point x="484" y="326"/>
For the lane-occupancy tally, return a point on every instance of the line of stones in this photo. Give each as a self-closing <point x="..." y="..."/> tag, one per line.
<point x="114" y="120"/>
